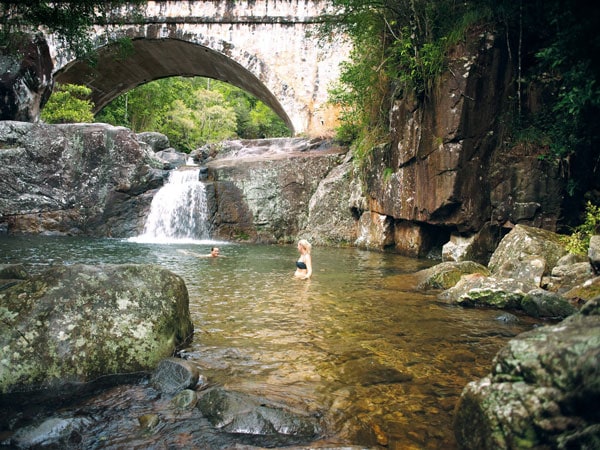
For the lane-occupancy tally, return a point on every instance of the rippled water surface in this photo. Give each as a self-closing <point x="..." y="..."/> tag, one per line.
<point x="381" y="363"/>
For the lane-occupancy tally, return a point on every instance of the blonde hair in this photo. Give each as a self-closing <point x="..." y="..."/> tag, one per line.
<point x="304" y="243"/>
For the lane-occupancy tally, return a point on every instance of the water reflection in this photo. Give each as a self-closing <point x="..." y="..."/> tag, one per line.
<point x="381" y="363"/>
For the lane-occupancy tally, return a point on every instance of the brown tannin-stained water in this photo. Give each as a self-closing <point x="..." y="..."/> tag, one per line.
<point x="380" y="363"/>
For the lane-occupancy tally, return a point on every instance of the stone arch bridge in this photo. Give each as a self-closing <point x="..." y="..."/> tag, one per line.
<point x="268" y="48"/>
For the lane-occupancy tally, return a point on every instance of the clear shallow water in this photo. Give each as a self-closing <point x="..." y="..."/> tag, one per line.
<point x="380" y="362"/>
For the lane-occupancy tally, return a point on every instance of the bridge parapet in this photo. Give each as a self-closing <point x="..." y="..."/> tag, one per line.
<point x="269" y="48"/>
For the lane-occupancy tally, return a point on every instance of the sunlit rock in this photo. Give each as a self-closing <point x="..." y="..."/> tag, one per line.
<point x="523" y="245"/>
<point x="447" y="274"/>
<point x="77" y="323"/>
<point x="376" y="231"/>
<point x="568" y="276"/>
<point x="471" y="247"/>
<point x="478" y="290"/>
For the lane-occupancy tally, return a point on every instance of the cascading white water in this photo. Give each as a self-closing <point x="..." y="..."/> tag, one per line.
<point x="179" y="210"/>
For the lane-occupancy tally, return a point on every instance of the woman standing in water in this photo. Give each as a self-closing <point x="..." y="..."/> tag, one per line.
<point x="304" y="263"/>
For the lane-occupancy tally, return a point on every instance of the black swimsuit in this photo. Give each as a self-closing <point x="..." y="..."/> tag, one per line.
<point x="301" y="265"/>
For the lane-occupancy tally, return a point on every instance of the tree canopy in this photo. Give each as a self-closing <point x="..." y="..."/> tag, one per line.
<point x="69" y="103"/>
<point x="193" y="112"/>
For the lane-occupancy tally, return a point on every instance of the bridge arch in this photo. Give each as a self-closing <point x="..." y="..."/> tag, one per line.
<point x="268" y="48"/>
<point x="117" y="71"/>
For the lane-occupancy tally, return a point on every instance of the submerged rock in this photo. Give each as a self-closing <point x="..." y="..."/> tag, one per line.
<point x="185" y="399"/>
<point x="72" y="324"/>
<point x="174" y="375"/>
<point x="48" y="433"/>
<point x="369" y="371"/>
<point x="542" y="392"/>
<point x="149" y="421"/>
<point x="239" y="413"/>
<point x="13" y="272"/>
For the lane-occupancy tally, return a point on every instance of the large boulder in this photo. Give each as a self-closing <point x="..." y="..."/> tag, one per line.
<point x="77" y="323"/>
<point x="527" y="253"/>
<point x="25" y="77"/>
<point x="447" y="274"/>
<point x="478" y="290"/>
<point x="93" y="179"/>
<point x="543" y="390"/>
<point x="263" y="187"/>
<point x="331" y="210"/>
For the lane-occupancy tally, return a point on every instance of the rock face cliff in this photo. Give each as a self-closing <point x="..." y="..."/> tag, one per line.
<point x="92" y="179"/>
<point x="25" y="78"/>
<point x="99" y="180"/>
<point x="447" y="172"/>
<point x="264" y="190"/>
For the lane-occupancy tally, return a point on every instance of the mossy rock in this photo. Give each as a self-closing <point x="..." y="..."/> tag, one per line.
<point x="78" y="323"/>
<point x="447" y="274"/>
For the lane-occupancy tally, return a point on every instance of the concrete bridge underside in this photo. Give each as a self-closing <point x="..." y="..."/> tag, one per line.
<point x="152" y="59"/>
<point x="268" y="48"/>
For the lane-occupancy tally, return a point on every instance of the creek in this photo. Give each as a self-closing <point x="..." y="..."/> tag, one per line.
<point x="381" y="363"/>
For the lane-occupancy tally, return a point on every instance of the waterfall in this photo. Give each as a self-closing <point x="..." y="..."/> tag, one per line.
<point x="179" y="210"/>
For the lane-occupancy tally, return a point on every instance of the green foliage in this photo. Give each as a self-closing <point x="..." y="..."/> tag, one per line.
<point x="69" y="103"/>
<point x="69" y="20"/>
<point x="398" y="47"/>
<point x="207" y="119"/>
<point x="564" y="42"/>
<point x="193" y="112"/>
<point x="579" y="241"/>
<point x="401" y="47"/>
<point x="387" y="174"/>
